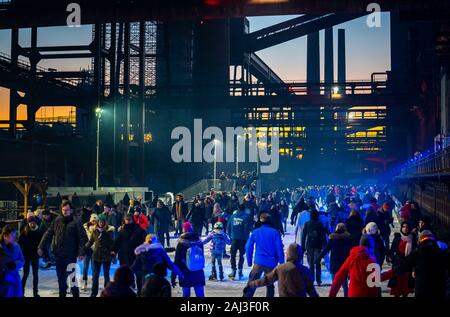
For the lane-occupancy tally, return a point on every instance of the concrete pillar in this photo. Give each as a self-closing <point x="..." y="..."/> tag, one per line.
<point x="329" y="61"/>
<point x="313" y="63"/>
<point x="341" y="60"/>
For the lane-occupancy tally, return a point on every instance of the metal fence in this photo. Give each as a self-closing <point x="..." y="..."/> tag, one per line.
<point x="435" y="162"/>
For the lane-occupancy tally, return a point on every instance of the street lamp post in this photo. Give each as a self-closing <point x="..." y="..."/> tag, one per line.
<point x="98" y="114"/>
<point x="237" y="154"/>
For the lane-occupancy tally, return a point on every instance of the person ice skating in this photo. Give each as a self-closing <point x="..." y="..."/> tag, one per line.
<point x="11" y="261"/>
<point x="372" y="240"/>
<point x="356" y="269"/>
<point x="189" y="258"/>
<point x="121" y="285"/>
<point x="339" y="245"/>
<point x="68" y="239"/>
<point x="268" y="252"/>
<point x="148" y="254"/>
<point x="129" y="237"/>
<point x="219" y="240"/>
<point x="156" y="284"/>
<point x="102" y="241"/>
<point x="238" y="228"/>
<point x="431" y="267"/>
<point x="355" y="225"/>
<point x="180" y="210"/>
<point x="197" y="216"/>
<point x="403" y="244"/>
<point x="29" y="240"/>
<point x="314" y="240"/>
<point x="294" y="279"/>
<point x="161" y="218"/>
<point x="89" y="227"/>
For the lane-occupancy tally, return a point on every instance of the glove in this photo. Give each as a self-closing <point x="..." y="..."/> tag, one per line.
<point x="11" y="266"/>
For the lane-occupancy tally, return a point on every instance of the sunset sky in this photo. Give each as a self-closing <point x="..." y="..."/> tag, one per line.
<point x="367" y="51"/>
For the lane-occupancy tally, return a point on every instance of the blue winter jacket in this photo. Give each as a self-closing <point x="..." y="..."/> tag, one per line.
<point x="269" y="247"/>
<point x="239" y="226"/>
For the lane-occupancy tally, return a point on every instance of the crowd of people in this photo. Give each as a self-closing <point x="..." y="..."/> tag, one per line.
<point x="347" y="229"/>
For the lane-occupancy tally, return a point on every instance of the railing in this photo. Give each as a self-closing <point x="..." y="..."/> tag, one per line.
<point x="25" y="65"/>
<point x="432" y="163"/>
<point x="332" y="90"/>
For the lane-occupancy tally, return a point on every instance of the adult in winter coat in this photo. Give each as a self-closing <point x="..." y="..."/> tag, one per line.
<point x="339" y="245"/>
<point x="384" y="223"/>
<point x="121" y="286"/>
<point x="219" y="240"/>
<point x="238" y="228"/>
<point x="140" y="218"/>
<point x="403" y="244"/>
<point x="161" y="218"/>
<point x="148" y="254"/>
<point x="302" y="219"/>
<point x="372" y="240"/>
<point x="197" y="216"/>
<point x="89" y="227"/>
<point x="355" y="226"/>
<point x="102" y="242"/>
<point x="112" y="217"/>
<point x="314" y="240"/>
<point x="356" y="268"/>
<point x="11" y="261"/>
<point x="180" y="210"/>
<point x="431" y="266"/>
<point x="129" y="237"/>
<point x="268" y="253"/>
<point x="284" y="211"/>
<point x="294" y="279"/>
<point x="298" y="208"/>
<point x="191" y="279"/>
<point x="68" y="241"/>
<point x="29" y="241"/>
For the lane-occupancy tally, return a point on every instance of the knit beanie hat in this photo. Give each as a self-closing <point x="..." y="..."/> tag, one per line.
<point x="187" y="227"/>
<point x="371" y="228"/>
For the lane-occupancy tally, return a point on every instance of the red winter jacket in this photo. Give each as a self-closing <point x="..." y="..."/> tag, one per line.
<point x="405" y="212"/>
<point x="142" y="221"/>
<point x="355" y="267"/>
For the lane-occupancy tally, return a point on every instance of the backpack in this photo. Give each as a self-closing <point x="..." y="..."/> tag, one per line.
<point x="195" y="258"/>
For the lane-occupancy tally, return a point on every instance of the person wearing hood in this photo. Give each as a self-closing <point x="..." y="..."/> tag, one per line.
<point x="268" y="253"/>
<point x="161" y="218"/>
<point x="219" y="239"/>
<point x="102" y="243"/>
<point x="129" y="237"/>
<point x="303" y="217"/>
<point x="190" y="279"/>
<point x="89" y="227"/>
<point x="431" y="267"/>
<point x="425" y="224"/>
<point x="294" y="279"/>
<point x="372" y="240"/>
<point x="121" y="286"/>
<point x="314" y="240"/>
<point x="147" y="255"/>
<point x="355" y="226"/>
<point x="68" y="242"/>
<point x="356" y="269"/>
<point x="29" y="240"/>
<point x="11" y="261"/>
<point x="339" y="246"/>
<point x="403" y="244"/>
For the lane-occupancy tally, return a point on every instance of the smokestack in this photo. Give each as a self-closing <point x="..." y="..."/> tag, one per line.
<point x="329" y="62"/>
<point x="313" y="62"/>
<point x="341" y="59"/>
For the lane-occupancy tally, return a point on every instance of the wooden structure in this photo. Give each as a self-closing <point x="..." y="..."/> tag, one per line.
<point x="24" y="184"/>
